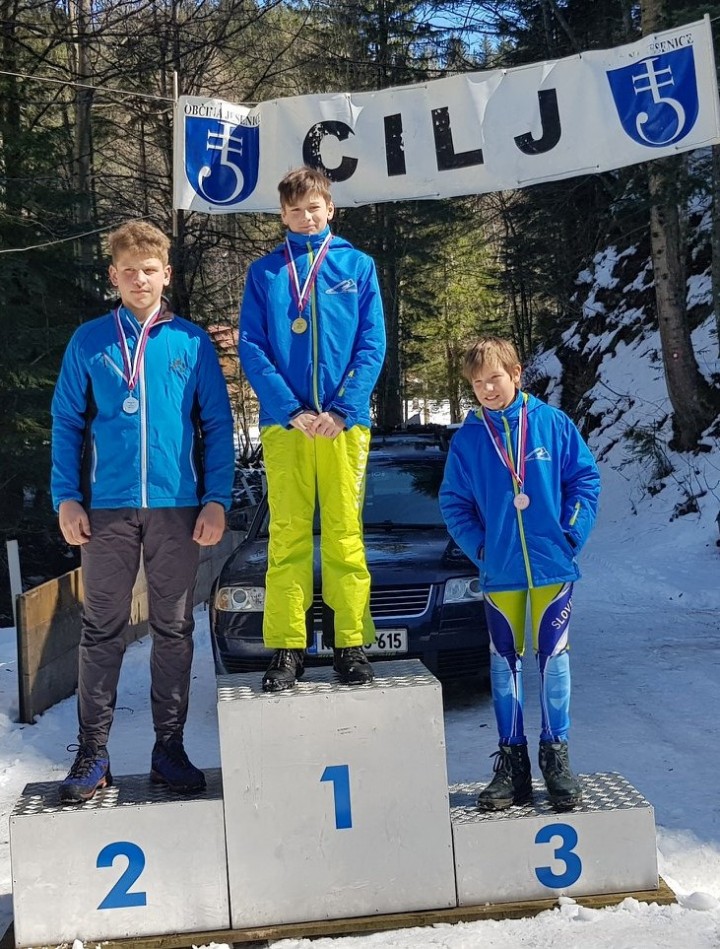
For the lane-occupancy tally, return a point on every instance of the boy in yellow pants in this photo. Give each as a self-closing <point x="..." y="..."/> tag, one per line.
<point x="312" y="343"/>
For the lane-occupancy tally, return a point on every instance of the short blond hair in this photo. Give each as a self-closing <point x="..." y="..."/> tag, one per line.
<point x="491" y="351"/>
<point x="302" y="182"/>
<point x="139" y="237"/>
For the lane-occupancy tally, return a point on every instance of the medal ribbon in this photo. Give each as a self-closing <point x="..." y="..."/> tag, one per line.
<point x="518" y="475"/>
<point x="131" y="366"/>
<point x="302" y="296"/>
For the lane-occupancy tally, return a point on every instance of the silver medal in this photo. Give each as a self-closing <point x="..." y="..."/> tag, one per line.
<point x="131" y="405"/>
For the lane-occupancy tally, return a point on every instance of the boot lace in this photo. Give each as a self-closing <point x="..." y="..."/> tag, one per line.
<point x="555" y="763"/>
<point x="84" y="760"/>
<point x="175" y="752"/>
<point x="285" y="658"/>
<point x="352" y="654"/>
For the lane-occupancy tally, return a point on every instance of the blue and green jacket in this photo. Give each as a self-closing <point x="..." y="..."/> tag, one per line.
<point x="516" y="550"/>
<point x="333" y="365"/>
<point x="177" y="450"/>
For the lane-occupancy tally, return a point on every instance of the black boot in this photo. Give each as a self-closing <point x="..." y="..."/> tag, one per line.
<point x="562" y="785"/>
<point x="286" y="667"/>
<point x="512" y="783"/>
<point x="352" y="666"/>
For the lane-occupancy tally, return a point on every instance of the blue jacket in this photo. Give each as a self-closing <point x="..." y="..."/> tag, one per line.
<point x="175" y="451"/>
<point x="334" y="364"/>
<point x="516" y="550"/>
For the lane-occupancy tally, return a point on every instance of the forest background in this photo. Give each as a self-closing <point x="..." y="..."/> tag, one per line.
<point x="86" y="96"/>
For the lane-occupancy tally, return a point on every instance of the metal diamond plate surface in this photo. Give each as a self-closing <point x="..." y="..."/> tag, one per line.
<point x="127" y="791"/>
<point x="601" y="792"/>
<point x="400" y="673"/>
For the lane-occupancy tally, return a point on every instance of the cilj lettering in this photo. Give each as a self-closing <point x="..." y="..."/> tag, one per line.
<point x="446" y="156"/>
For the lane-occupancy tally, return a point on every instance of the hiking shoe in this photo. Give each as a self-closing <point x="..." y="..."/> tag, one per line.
<point x="563" y="787"/>
<point x="89" y="772"/>
<point x="172" y="767"/>
<point x="351" y="665"/>
<point x="286" y="667"/>
<point x="512" y="781"/>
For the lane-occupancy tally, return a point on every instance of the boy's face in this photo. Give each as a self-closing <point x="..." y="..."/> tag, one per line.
<point x="307" y="215"/>
<point x="141" y="281"/>
<point x="494" y="386"/>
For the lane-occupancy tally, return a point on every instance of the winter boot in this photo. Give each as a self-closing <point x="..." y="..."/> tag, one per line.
<point x="512" y="783"/>
<point x="89" y="772"/>
<point x="286" y="667"/>
<point x="172" y="767"/>
<point x="562" y="785"/>
<point x="352" y="666"/>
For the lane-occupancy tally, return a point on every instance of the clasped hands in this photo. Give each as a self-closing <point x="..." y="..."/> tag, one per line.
<point x="327" y="424"/>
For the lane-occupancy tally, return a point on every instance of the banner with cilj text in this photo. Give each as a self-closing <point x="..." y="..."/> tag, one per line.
<point x="467" y="134"/>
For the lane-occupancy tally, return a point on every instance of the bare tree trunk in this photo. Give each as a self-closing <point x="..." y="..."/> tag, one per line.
<point x="716" y="238"/>
<point x="82" y="157"/>
<point x="389" y="395"/>
<point x="688" y="392"/>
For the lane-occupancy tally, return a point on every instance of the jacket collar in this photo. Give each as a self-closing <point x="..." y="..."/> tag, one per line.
<point x="300" y="241"/>
<point x="127" y="316"/>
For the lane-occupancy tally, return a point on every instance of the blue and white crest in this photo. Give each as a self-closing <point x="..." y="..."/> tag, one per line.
<point x="221" y="159"/>
<point x="657" y="98"/>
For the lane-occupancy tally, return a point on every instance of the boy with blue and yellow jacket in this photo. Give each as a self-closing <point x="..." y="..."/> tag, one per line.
<point x="519" y="496"/>
<point x="312" y="344"/>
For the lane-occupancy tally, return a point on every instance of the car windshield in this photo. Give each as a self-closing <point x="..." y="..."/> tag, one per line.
<point x="399" y="493"/>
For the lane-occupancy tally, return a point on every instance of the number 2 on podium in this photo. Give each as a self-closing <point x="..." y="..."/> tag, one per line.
<point x="339" y="774"/>
<point x="120" y="896"/>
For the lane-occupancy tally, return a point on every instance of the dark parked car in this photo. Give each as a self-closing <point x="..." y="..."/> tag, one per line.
<point x="425" y="597"/>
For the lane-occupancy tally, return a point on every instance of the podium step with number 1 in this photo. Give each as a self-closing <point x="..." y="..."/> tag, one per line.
<point x="336" y="796"/>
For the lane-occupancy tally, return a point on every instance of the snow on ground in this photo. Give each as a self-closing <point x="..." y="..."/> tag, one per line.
<point x="646" y="702"/>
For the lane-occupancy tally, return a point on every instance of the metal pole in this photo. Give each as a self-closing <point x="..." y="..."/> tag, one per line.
<point x="13" y="557"/>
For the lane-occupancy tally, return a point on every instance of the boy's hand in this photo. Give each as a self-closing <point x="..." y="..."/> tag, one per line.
<point x="210" y="524"/>
<point x="74" y="523"/>
<point x="328" y="424"/>
<point x="304" y="422"/>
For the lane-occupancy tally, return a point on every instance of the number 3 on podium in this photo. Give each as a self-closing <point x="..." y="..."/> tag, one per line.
<point x="565" y="853"/>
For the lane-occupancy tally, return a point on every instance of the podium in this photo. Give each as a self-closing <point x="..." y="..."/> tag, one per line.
<point x="135" y="860"/>
<point x="531" y="852"/>
<point x="331" y="809"/>
<point x="336" y="796"/>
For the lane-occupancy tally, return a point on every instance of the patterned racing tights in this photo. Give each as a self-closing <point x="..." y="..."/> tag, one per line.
<point x="550" y="609"/>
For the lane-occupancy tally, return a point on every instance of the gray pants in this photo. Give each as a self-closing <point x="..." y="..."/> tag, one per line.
<point x="110" y="563"/>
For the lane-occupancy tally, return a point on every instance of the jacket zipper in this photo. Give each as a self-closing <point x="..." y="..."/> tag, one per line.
<point x="314" y="322"/>
<point x="516" y="491"/>
<point x="143" y="438"/>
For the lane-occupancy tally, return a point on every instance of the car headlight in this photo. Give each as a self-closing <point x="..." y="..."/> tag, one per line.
<point x="240" y="599"/>
<point x="462" y="589"/>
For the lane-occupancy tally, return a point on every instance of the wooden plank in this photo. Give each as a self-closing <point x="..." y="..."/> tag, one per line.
<point x="369" y="924"/>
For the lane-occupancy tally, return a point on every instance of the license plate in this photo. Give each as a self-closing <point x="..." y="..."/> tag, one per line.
<point x="388" y="642"/>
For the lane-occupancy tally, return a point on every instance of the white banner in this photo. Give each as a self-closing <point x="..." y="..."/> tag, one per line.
<point x="468" y="134"/>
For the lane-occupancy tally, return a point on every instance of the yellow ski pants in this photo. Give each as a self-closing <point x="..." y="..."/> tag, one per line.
<point x="298" y="470"/>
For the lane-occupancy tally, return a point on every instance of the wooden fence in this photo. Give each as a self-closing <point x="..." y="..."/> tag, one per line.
<point x="48" y="629"/>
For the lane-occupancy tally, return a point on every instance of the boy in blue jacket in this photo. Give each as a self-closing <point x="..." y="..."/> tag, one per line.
<point x="142" y="464"/>
<point x="312" y="343"/>
<point x="519" y="496"/>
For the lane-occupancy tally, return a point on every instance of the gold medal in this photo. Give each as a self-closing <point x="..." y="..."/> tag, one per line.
<point x="299" y="325"/>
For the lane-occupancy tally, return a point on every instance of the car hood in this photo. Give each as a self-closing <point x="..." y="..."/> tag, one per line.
<point x="393" y="556"/>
